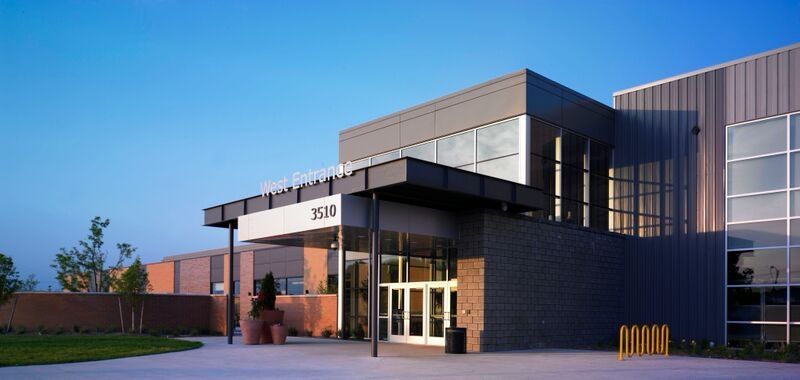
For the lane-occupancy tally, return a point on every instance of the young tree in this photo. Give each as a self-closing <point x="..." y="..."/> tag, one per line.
<point x="133" y="284"/>
<point x="9" y="279"/>
<point x="85" y="269"/>
<point x="10" y="284"/>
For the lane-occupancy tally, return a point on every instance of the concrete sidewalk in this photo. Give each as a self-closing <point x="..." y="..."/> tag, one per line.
<point x="322" y="358"/>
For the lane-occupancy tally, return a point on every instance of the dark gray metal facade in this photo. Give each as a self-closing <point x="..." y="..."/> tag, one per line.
<point x="669" y="188"/>
<point x="518" y="93"/>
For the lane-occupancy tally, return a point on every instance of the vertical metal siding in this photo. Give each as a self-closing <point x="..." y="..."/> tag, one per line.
<point x="670" y="189"/>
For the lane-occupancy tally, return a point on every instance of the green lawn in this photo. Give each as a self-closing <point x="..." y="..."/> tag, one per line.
<point x="28" y="350"/>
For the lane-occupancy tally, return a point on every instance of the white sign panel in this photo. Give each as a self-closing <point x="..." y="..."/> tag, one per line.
<point x="304" y="216"/>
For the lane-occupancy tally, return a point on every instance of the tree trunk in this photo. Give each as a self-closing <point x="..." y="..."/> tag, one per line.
<point x="133" y="320"/>
<point x="121" y="321"/>
<point x="11" y="317"/>
<point x="141" y="316"/>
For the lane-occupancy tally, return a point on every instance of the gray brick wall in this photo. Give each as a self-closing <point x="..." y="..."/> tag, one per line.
<point x="529" y="283"/>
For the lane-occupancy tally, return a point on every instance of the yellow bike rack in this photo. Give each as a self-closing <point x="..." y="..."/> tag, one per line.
<point x="643" y="340"/>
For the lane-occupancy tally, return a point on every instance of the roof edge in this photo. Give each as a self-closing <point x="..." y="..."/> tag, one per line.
<point x="707" y="69"/>
<point x="435" y="100"/>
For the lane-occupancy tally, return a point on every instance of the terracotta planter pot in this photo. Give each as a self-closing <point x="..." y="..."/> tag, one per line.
<point x="251" y="330"/>
<point x="279" y="333"/>
<point x="269" y="317"/>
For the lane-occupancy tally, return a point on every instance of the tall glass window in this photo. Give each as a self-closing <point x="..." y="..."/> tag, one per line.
<point x="497" y="150"/>
<point x="573" y="173"/>
<point x="763" y="230"/>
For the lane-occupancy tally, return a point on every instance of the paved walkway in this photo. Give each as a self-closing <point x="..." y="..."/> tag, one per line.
<point x="321" y="358"/>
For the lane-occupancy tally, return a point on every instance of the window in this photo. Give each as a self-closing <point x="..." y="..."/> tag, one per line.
<point x="217" y="288"/>
<point x="425" y="151"/>
<point x="385" y="157"/>
<point x="457" y="151"/>
<point x="762" y="230"/>
<point x="498" y="150"/>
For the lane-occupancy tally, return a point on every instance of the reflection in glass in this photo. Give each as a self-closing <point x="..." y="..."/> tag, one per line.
<point x="599" y="158"/>
<point x="794" y="232"/>
<point x="545" y="140"/>
<point x="794" y="301"/>
<point x="794" y="265"/>
<point x="498" y="140"/>
<point x="425" y="152"/>
<point x="415" y="305"/>
<point x="543" y="174"/>
<point x="504" y="168"/>
<point x="794" y="203"/>
<point x="360" y="164"/>
<point x="758" y="174"/>
<point x="436" y="310"/>
<point x="573" y="150"/>
<point x="398" y="312"/>
<point x="456" y="150"/>
<point x="572" y="212"/>
<point x="756" y="138"/>
<point x="795" y="131"/>
<point x="756" y="207"/>
<point x="383" y="313"/>
<point x="754" y="235"/>
<point x="794" y="167"/>
<point x="740" y="334"/>
<point x="757" y="304"/>
<point x="385" y="157"/>
<point x="766" y="266"/>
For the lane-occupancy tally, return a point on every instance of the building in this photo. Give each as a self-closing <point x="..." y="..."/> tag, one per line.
<point x="535" y="216"/>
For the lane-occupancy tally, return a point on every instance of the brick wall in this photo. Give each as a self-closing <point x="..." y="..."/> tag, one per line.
<point x="309" y="312"/>
<point x="195" y="276"/>
<point x="527" y="283"/>
<point x="162" y="277"/>
<point x="245" y="282"/>
<point x="102" y="311"/>
<point x="315" y="268"/>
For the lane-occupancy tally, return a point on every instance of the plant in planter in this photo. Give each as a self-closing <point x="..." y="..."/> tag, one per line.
<point x="252" y="326"/>
<point x="269" y="314"/>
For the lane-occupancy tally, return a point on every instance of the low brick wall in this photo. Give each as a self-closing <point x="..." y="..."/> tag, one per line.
<point x="313" y="312"/>
<point x="528" y="283"/>
<point x="100" y="311"/>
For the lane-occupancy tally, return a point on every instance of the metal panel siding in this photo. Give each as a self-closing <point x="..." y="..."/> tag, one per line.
<point x="669" y="189"/>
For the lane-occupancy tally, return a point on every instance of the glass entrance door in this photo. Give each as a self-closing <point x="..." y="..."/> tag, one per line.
<point x="418" y="313"/>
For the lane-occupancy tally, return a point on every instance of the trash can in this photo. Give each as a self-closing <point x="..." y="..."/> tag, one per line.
<point x="455" y="340"/>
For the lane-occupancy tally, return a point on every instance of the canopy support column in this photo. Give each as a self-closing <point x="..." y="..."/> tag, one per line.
<point x="374" y="271"/>
<point x="229" y="308"/>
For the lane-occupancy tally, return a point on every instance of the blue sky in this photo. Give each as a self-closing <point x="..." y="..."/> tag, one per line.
<point x="145" y="112"/>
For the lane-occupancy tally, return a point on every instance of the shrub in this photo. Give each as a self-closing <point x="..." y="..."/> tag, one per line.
<point x="86" y="331"/>
<point x="154" y="332"/>
<point x="110" y="330"/>
<point x="76" y="329"/>
<point x="41" y="330"/>
<point x="59" y="330"/>
<point x="204" y="331"/>
<point x="327" y="332"/>
<point x="309" y="333"/>
<point x="292" y="331"/>
<point x="791" y="353"/>
<point x="20" y="330"/>
<point x="194" y="332"/>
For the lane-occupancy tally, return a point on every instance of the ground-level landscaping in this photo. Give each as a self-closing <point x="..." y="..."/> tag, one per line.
<point x="16" y="350"/>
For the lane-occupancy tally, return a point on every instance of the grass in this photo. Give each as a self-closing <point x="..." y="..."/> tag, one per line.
<point x="29" y="350"/>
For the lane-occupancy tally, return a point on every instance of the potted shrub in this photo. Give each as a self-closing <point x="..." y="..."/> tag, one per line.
<point x="279" y="332"/>
<point x="251" y="327"/>
<point x="269" y="314"/>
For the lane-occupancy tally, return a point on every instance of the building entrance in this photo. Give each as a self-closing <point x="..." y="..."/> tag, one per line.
<point x="416" y="312"/>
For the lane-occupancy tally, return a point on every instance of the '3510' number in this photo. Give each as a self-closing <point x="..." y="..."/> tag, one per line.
<point x="323" y="212"/>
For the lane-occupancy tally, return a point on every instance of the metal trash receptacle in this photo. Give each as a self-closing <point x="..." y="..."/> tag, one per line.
<point x="455" y="340"/>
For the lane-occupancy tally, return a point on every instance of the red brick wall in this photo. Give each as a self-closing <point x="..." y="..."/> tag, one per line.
<point x="245" y="281"/>
<point x="309" y="312"/>
<point x="101" y="311"/>
<point x="195" y="276"/>
<point x="162" y="277"/>
<point x="216" y="315"/>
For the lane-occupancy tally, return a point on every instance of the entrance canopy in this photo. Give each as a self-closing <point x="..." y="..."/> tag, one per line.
<point x="406" y="180"/>
<point x="317" y="223"/>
